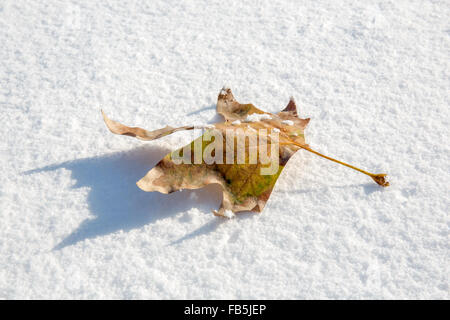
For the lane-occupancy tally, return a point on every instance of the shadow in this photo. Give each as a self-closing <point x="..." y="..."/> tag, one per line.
<point x="117" y="203"/>
<point x="370" y="188"/>
<point x="198" y="111"/>
<point x="216" y="118"/>
<point x="205" y="229"/>
<point x="213" y="225"/>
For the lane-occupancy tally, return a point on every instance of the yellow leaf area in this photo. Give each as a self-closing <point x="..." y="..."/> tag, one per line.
<point x="241" y="181"/>
<point x="244" y="180"/>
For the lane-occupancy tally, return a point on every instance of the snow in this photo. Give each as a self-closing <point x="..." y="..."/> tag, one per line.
<point x="288" y="122"/>
<point x="224" y="90"/>
<point x="257" y="117"/>
<point x="373" y="77"/>
<point x="229" y="214"/>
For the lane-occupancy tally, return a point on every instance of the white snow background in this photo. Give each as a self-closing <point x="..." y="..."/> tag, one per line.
<point x="372" y="75"/>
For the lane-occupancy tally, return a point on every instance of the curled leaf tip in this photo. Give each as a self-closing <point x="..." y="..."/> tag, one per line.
<point x="380" y="179"/>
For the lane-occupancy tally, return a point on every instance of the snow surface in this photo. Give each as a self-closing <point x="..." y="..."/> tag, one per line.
<point x="229" y="214"/>
<point x="372" y="75"/>
<point x="288" y="122"/>
<point x="257" y="117"/>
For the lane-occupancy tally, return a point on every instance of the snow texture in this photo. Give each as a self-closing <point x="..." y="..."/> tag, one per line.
<point x="257" y="117"/>
<point x="288" y="122"/>
<point x="372" y="75"/>
<point x="229" y="214"/>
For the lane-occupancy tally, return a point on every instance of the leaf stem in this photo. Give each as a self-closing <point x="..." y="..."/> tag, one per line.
<point x="379" y="178"/>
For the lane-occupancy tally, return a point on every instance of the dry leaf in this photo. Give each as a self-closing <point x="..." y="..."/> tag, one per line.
<point x="244" y="187"/>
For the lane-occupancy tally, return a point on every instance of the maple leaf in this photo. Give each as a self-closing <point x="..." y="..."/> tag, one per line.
<point x="244" y="186"/>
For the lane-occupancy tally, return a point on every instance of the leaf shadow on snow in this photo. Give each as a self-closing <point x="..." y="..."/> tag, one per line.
<point x="212" y="226"/>
<point x="201" y="110"/>
<point x="118" y="204"/>
<point x="214" y="119"/>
